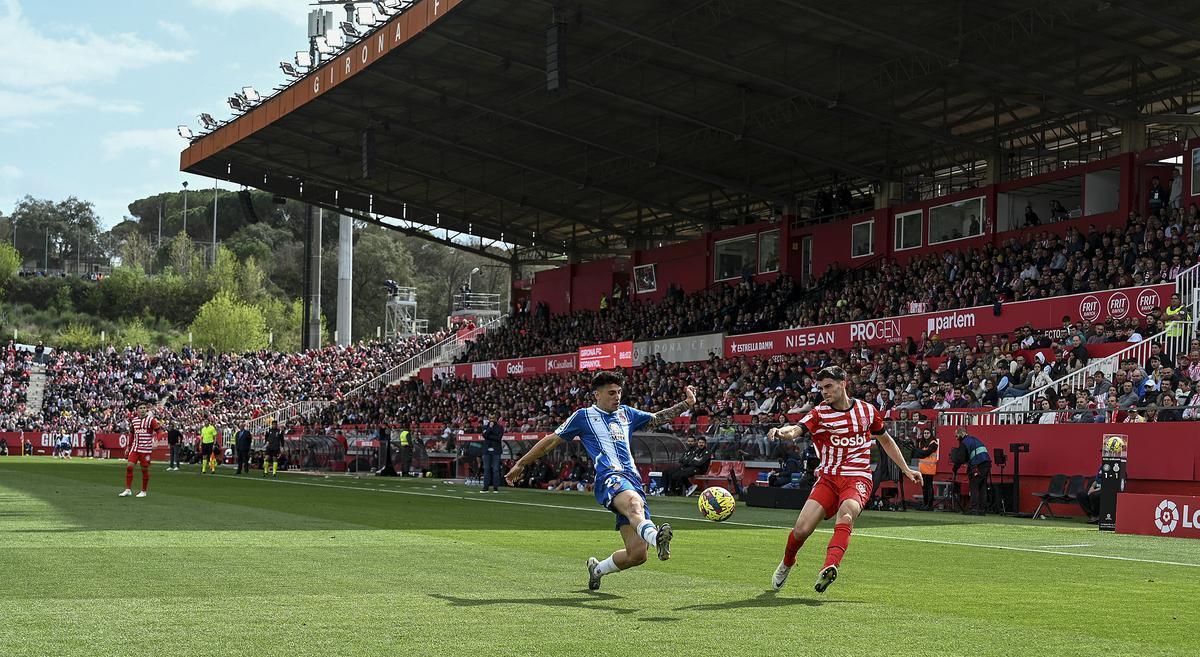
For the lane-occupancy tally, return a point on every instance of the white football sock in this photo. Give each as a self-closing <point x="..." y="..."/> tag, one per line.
<point x="607" y="567"/>
<point x="648" y="532"/>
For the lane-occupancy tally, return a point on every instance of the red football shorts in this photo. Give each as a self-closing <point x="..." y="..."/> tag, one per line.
<point x="831" y="490"/>
<point x="140" y="457"/>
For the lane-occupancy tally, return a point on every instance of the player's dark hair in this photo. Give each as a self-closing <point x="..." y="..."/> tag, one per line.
<point x="832" y="372"/>
<point x="606" y="378"/>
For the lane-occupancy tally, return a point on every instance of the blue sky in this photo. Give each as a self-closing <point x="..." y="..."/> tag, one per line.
<point x="91" y="92"/>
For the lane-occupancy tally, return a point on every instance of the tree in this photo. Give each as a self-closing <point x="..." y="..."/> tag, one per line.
<point x="229" y="325"/>
<point x="77" y="337"/>
<point x="250" y="281"/>
<point x="132" y="334"/>
<point x="183" y="257"/>
<point x="223" y="277"/>
<point x="122" y="293"/>
<point x="10" y="262"/>
<point x="62" y="228"/>
<point x="136" y="252"/>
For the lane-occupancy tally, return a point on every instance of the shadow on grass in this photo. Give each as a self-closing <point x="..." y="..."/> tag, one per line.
<point x="584" y="599"/>
<point x="763" y="600"/>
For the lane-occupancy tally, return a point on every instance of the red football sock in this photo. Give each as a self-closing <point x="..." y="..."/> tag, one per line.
<point x="145" y="475"/>
<point x="129" y="475"/>
<point x="793" y="546"/>
<point x="837" y="544"/>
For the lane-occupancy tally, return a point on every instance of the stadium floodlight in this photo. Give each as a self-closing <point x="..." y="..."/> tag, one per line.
<point x="208" y="121"/>
<point x="250" y="95"/>
<point x="324" y="46"/>
<point x="383" y="9"/>
<point x="304" y="59"/>
<point x="366" y="16"/>
<point x="236" y="103"/>
<point x="185" y="132"/>
<point x="349" y="30"/>
<point x="287" y="68"/>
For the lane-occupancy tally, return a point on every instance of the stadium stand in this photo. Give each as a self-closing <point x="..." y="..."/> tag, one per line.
<point x="1033" y="264"/>
<point x="93" y="389"/>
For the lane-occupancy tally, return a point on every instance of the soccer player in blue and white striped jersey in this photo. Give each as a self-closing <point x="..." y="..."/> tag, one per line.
<point x="604" y="428"/>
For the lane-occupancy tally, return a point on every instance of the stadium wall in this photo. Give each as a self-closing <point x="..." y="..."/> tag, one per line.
<point x="1164" y="457"/>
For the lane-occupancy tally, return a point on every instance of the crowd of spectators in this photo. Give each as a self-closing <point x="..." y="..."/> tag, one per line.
<point x="743" y="308"/>
<point x="95" y="389"/>
<point x="1037" y="265"/>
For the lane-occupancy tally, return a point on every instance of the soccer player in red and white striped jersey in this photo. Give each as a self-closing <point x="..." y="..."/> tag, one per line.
<point x="144" y="428"/>
<point x="843" y="429"/>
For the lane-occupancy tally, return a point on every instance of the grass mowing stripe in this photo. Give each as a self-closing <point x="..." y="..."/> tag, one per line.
<point x="857" y="534"/>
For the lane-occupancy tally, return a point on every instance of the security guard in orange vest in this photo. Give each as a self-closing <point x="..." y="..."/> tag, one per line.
<point x="926" y="454"/>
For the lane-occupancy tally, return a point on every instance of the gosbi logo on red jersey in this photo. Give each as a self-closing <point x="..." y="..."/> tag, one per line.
<point x="848" y="441"/>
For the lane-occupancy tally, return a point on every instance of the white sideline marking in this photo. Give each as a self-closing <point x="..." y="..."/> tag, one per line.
<point x="492" y="500"/>
<point x="1060" y="547"/>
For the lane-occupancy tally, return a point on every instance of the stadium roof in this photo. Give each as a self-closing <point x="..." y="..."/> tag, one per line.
<point x="675" y="116"/>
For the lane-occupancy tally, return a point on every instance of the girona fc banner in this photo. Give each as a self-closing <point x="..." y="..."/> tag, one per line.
<point x="502" y="369"/>
<point x="1158" y="515"/>
<point x="954" y="324"/>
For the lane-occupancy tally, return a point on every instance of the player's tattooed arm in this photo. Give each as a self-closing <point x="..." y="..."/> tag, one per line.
<point x="667" y="414"/>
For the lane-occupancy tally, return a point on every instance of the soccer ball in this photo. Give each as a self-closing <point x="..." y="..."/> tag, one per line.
<point x="1114" y="445"/>
<point x="716" y="503"/>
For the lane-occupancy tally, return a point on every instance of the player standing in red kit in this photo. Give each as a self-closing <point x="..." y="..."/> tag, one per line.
<point x="144" y="427"/>
<point x="843" y="430"/>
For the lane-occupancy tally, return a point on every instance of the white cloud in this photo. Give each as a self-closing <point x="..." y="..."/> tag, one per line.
<point x="32" y="103"/>
<point x="294" y="12"/>
<point x="152" y="144"/>
<point x="10" y="172"/>
<point x="34" y="59"/>
<point x="176" y="30"/>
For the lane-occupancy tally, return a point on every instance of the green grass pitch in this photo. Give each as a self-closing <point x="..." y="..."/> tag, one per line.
<point x="303" y="565"/>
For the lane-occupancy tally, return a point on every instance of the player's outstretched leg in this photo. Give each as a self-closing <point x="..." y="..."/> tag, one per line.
<point x="808" y="519"/>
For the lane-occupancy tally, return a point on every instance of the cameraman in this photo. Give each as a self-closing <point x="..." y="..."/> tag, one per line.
<point x="925" y="451"/>
<point x="979" y="466"/>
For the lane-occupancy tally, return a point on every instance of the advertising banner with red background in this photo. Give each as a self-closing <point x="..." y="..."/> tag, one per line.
<point x="606" y="356"/>
<point x="954" y="324"/>
<point x="43" y="443"/>
<point x="503" y="369"/>
<point x="1158" y="515"/>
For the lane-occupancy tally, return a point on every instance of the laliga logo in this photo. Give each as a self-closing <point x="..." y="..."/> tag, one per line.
<point x="1118" y="305"/>
<point x="1089" y="308"/>
<point x="1147" y="300"/>
<point x="1167" y="517"/>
